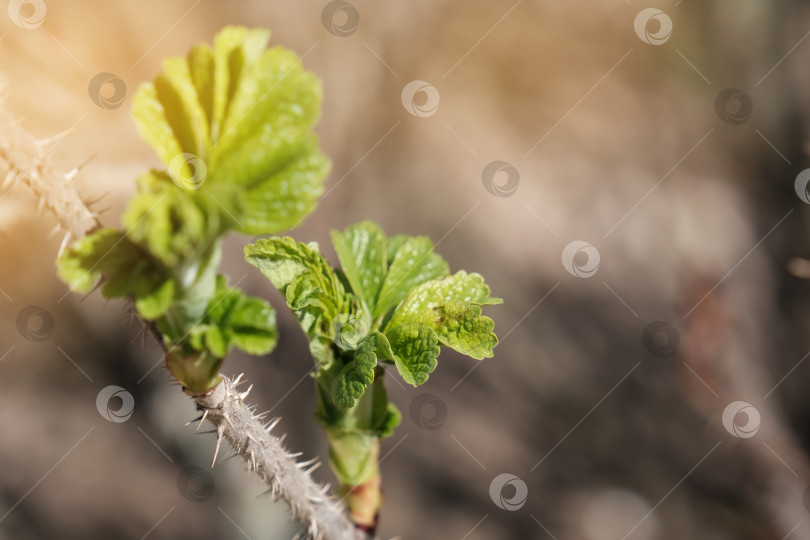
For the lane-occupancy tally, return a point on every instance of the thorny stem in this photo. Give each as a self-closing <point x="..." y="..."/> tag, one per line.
<point x="266" y="456"/>
<point x="24" y="159"/>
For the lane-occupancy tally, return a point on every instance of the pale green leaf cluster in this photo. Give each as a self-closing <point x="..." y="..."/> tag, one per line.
<point x="246" y="113"/>
<point x="402" y="301"/>
<point x="232" y="125"/>
<point x="234" y="319"/>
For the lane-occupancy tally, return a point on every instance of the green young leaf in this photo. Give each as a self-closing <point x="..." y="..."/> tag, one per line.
<point x="244" y="321"/>
<point x="361" y="249"/>
<point x="171" y="225"/>
<point x="156" y="303"/>
<point x="452" y="307"/>
<point x="414" y="263"/>
<point x="415" y="348"/>
<point x="126" y="268"/>
<point x="253" y="326"/>
<point x="357" y="374"/>
<point x="461" y="287"/>
<point x="237" y="120"/>
<point x="462" y="328"/>
<point x="282" y="260"/>
<point x="311" y="287"/>
<point x="392" y="246"/>
<point x="287" y="195"/>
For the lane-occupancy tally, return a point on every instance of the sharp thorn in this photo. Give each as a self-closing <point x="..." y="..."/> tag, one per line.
<point x="202" y="419"/>
<point x="273" y="423"/>
<point x="63" y="245"/>
<point x="221" y="432"/>
<point x="304" y="464"/>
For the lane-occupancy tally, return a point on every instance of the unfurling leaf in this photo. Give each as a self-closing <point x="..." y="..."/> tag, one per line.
<point x="243" y="116"/>
<point x="126" y="268"/>
<point x="414" y="263"/>
<point x="415" y="348"/>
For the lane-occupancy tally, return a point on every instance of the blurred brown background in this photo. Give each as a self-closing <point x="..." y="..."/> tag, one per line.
<point x="618" y="137"/>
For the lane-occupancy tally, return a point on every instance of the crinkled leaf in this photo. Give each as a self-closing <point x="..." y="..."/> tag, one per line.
<point x="282" y="260"/>
<point x="415" y="348"/>
<point x="167" y="222"/>
<point x="461" y="287"/>
<point x="414" y="263"/>
<point x="247" y="113"/>
<point x="126" y="268"/>
<point x="462" y="328"/>
<point x="357" y="374"/>
<point x="452" y="307"/>
<point x="233" y="319"/>
<point x="361" y="249"/>
<point x="310" y="286"/>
